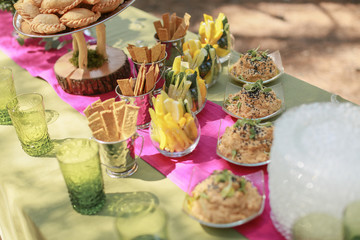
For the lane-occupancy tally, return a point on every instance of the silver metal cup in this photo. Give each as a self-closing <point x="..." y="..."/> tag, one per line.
<point x="144" y="102"/>
<point x="173" y="49"/>
<point x="119" y="157"/>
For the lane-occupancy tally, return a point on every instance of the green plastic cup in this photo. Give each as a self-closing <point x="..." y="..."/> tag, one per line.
<point x="7" y="92"/>
<point x="80" y="166"/>
<point x="27" y="114"/>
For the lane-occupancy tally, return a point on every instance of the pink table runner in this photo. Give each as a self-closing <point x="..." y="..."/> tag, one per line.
<point x="39" y="63"/>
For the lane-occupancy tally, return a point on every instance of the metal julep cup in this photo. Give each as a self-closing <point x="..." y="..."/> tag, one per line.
<point x="173" y="49"/>
<point x="119" y="157"/>
<point x="28" y="118"/>
<point x="144" y="102"/>
<point x="7" y="92"/>
<point x="80" y="166"/>
<point x="159" y="82"/>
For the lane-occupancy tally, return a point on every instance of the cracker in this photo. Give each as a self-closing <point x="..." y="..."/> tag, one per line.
<point x="180" y="32"/>
<point x="148" y="55"/>
<point x="130" y="120"/>
<point x="125" y="87"/>
<point x="179" y="20"/>
<point x="132" y="82"/>
<point x="96" y="103"/>
<point x="172" y="24"/>
<point x="107" y="104"/>
<point x="162" y="53"/>
<point x="156" y="72"/>
<point x="139" y="85"/>
<point x="98" y="108"/>
<point x="93" y="116"/>
<point x="142" y="83"/>
<point x="140" y="54"/>
<point x="132" y="54"/>
<point x="95" y="124"/>
<point x="101" y="135"/>
<point x="157" y="25"/>
<point x="110" y="125"/>
<point x="150" y="81"/>
<point x="119" y="112"/>
<point x="163" y="34"/>
<point x="155" y="52"/>
<point x="166" y="20"/>
<point x="187" y="20"/>
<point x="88" y="111"/>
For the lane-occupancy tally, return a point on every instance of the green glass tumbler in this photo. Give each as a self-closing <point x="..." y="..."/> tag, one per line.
<point x="28" y="117"/>
<point x="80" y="166"/>
<point x="7" y="92"/>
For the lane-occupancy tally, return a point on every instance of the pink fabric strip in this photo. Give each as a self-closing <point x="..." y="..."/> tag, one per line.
<point x="39" y="63"/>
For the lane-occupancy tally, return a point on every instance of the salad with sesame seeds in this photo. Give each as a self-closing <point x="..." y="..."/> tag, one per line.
<point x="254" y="65"/>
<point x="253" y="101"/>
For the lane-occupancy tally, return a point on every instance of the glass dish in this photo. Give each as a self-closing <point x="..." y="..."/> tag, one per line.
<point x="232" y="89"/>
<point x="103" y="18"/>
<point x="187" y="151"/>
<point x="198" y="175"/>
<point x="275" y="56"/>
<point x="221" y="132"/>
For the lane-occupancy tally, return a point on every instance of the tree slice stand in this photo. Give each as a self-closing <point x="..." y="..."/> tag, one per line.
<point x="92" y="81"/>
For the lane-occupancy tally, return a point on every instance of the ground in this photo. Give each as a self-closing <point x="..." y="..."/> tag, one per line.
<point x="319" y="41"/>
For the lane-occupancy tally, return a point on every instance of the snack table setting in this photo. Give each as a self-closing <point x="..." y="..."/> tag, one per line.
<point x="34" y="200"/>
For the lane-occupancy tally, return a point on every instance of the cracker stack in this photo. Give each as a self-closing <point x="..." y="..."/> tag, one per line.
<point x="144" y="83"/>
<point x="146" y="55"/>
<point x="173" y="27"/>
<point x="112" y="121"/>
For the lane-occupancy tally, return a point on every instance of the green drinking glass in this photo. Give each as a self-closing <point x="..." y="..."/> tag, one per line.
<point x="7" y="92"/>
<point x="80" y="166"/>
<point x="27" y="114"/>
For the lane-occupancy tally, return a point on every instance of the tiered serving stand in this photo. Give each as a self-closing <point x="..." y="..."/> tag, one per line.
<point x="82" y="80"/>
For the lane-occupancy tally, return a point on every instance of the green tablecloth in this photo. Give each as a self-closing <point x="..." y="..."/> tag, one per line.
<point x="34" y="203"/>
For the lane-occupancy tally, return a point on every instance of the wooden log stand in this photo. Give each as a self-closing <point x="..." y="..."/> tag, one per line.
<point x="84" y="81"/>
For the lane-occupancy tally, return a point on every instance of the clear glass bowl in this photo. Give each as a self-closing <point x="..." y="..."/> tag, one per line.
<point x="220" y="134"/>
<point x="232" y="89"/>
<point x="187" y="151"/>
<point x="275" y="56"/>
<point x="198" y="175"/>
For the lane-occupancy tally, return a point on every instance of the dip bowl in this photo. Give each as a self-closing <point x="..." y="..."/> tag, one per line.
<point x="275" y="56"/>
<point x="232" y="89"/>
<point x="176" y="154"/>
<point x="222" y="129"/>
<point x="199" y="175"/>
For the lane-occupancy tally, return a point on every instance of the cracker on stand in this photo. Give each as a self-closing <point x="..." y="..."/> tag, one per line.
<point x="110" y="126"/>
<point x="173" y="27"/>
<point x="145" y="54"/>
<point x="116" y="123"/>
<point x="128" y="127"/>
<point x="144" y="83"/>
<point x="125" y="87"/>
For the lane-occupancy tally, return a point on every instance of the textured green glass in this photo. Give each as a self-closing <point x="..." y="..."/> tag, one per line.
<point x="28" y="117"/>
<point x="7" y="92"/>
<point x="80" y="166"/>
